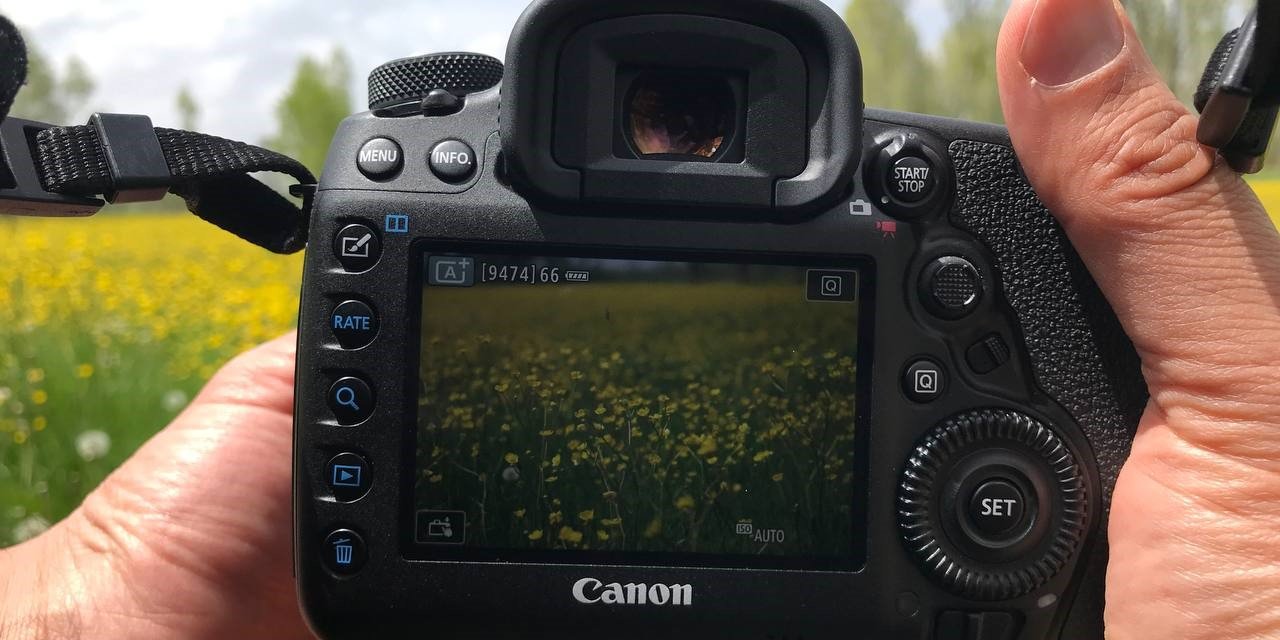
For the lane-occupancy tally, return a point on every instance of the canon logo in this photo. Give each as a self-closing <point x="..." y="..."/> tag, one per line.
<point x="592" y="591"/>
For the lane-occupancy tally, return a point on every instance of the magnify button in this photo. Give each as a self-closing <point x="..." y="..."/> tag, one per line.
<point x="351" y="401"/>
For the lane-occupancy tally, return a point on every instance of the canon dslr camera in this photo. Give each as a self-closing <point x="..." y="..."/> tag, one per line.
<point x="656" y="333"/>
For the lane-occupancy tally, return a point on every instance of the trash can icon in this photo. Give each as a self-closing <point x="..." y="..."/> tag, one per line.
<point x="342" y="551"/>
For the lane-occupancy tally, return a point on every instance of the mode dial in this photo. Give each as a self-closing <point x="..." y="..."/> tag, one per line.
<point x="992" y="504"/>
<point x="408" y="81"/>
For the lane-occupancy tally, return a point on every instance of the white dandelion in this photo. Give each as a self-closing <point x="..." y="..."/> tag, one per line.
<point x="92" y="445"/>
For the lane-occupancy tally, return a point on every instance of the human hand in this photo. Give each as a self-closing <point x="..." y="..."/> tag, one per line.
<point x="1189" y="260"/>
<point x="191" y="538"/>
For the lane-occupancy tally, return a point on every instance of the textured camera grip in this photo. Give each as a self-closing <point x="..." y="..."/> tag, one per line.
<point x="1081" y="356"/>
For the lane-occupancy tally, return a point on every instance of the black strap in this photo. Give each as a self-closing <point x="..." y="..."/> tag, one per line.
<point x="208" y="172"/>
<point x="1239" y="94"/>
<point x="127" y="160"/>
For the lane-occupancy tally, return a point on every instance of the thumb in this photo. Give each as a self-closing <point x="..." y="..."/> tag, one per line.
<point x="1179" y="244"/>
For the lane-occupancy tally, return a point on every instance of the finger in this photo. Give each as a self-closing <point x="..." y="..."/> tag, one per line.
<point x="261" y="377"/>
<point x="202" y="505"/>
<point x="1179" y="244"/>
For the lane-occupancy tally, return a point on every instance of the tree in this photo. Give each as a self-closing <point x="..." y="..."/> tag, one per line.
<point x="49" y="97"/>
<point x="967" y="68"/>
<point x="317" y="100"/>
<point x="1179" y="36"/>
<point x="896" y="72"/>
<point x="188" y="110"/>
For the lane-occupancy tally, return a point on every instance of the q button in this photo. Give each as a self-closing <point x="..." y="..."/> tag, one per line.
<point x="351" y="401"/>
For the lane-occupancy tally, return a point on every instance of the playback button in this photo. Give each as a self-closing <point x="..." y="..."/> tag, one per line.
<point x="347" y="475"/>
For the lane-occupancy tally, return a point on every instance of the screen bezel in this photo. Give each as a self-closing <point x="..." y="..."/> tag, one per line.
<point x="854" y="560"/>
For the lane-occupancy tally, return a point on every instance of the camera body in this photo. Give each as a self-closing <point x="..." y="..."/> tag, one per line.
<point x="666" y="336"/>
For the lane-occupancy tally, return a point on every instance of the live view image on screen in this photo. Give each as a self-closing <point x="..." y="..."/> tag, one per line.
<point x="636" y="406"/>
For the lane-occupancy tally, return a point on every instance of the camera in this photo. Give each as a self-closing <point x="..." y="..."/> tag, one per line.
<point x="657" y="332"/>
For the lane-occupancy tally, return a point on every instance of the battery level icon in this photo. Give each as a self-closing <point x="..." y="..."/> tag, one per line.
<point x="577" y="276"/>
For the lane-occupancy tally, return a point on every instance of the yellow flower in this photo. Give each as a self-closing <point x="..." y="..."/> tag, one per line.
<point x="762" y="456"/>
<point x="777" y="477"/>
<point x="39" y="423"/>
<point x="84" y="371"/>
<point x="519" y="513"/>
<point x="602" y="535"/>
<point x="685" y="503"/>
<point x="654" y="528"/>
<point x="570" y="535"/>
<point x="511" y="458"/>
<point x="535" y="535"/>
<point x="587" y="516"/>
<point x="39" y="396"/>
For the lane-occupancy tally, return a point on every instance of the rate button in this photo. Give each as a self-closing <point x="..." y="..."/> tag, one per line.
<point x="354" y="324"/>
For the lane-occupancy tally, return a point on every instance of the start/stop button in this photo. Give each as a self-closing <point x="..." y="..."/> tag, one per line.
<point x="908" y="176"/>
<point x="912" y="179"/>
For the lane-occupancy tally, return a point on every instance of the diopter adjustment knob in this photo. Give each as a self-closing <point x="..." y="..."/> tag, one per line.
<point x="407" y="81"/>
<point x="992" y="504"/>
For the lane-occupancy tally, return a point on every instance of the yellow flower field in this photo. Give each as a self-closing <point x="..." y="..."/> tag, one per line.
<point x="109" y="325"/>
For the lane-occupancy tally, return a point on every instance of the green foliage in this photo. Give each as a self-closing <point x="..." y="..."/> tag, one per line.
<point x="317" y="100"/>
<point x="1179" y="35"/>
<point x="50" y="96"/>
<point x="188" y="109"/>
<point x="897" y="74"/>
<point x="967" y="64"/>
<point x="957" y="76"/>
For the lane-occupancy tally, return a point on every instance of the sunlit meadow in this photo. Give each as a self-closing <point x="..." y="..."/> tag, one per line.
<point x="109" y="326"/>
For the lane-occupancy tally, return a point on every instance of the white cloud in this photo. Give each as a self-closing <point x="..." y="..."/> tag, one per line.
<point x="237" y="56"/>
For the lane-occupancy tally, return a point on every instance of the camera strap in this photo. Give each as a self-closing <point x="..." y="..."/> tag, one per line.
<point x="51" y="170"/>
<point x="1239" y="94"/>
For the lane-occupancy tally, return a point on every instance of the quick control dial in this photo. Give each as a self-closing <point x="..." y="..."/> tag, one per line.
<point x="992" y="504"/>
<point x="405" y="83"/>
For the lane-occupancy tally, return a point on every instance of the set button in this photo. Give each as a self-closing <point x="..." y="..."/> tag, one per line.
<point x="354" y="324"/>
<point x="996" y="508"/>
<point x="357" y="248"/>
<point x="351" y="401"/>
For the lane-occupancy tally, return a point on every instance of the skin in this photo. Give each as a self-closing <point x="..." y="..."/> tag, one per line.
<point x="190" y="538"/>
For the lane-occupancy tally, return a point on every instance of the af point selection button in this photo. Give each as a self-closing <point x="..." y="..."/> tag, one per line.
<point x="452" y="161"/>
<point x="354" y="324"/>
<point x="351" y="401"/>
<point x="996" y="508"/>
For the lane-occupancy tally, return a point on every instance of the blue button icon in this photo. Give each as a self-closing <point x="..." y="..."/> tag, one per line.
<point x="397" y="223"/>
<point x="346" y="475"/>
<point x="342" y="551"/>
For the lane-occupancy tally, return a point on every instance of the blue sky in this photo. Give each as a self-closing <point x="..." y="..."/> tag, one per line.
<point x="238" y="55"/>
